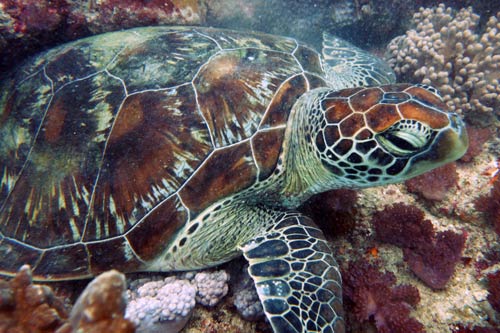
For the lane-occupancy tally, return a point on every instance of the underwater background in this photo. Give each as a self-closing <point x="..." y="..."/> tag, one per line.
<point x="437" y="272"/>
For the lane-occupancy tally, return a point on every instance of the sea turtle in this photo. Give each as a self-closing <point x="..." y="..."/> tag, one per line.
<point x="168" y="148"/>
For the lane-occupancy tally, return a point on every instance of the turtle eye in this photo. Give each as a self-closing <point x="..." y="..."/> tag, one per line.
<point x="406" y="137"/>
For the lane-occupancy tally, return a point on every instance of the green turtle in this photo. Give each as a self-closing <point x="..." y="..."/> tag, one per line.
<point x="169" y="148"/>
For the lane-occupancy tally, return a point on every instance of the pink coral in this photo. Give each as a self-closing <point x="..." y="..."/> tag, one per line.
<point x="372" y="296"/>
<point x="431" y="256"/>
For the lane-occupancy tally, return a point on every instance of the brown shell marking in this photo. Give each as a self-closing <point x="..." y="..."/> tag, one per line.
<point x="60" y="172"/>
<point x="225" y="172"/>
<point x="147" y="159"/>
<point x="234" y="115"/>
<point x="129" y="149"/>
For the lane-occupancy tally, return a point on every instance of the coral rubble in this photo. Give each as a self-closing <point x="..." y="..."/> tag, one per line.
<point x="431" y="256"/>
<point x="447" y="49"/>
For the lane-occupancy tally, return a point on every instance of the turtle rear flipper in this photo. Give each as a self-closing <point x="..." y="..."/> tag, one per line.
<point x="348" y="66"/>
<point x="297" y="279"/>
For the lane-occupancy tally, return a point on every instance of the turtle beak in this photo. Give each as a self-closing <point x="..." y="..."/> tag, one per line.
<point x="450" y="144"/>
<point x="458" y="136"/>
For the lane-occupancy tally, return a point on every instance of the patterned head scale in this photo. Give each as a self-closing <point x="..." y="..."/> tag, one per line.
<point x="386" y="134"/>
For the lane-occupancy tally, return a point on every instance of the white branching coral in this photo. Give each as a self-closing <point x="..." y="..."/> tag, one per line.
<point x="448" y="50"/>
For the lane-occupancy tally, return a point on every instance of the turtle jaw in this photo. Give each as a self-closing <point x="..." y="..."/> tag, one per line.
<point x="450" y="144"/>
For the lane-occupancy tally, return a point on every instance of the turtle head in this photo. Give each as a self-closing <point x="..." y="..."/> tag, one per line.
<point x="378" y="135"/>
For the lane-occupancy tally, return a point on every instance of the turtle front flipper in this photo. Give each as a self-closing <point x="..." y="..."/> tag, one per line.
<point x="347" y="66"/>
<point x="297" y="279"/>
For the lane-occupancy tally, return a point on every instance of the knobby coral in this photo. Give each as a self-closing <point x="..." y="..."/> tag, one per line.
<point x="162" y="306"/>
<point x="166" y="305"/>
<point x="447" y="49"/>
<point x="431" y="256"/>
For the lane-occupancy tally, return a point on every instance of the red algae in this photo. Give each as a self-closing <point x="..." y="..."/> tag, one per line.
<point x="334" y="211"/>
<point x="477" y="138"/>
<point x="372" y="297"/>
<point x="431" y="256"/>
<point x="490" y="205"/>
<point x="494" y="290"/>
<point x="435" y="184"/>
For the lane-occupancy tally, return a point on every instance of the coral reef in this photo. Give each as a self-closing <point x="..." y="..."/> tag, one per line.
<point x="448" y="50"/>
<point x="166" y="304"/>
<point x="333" y="211"/>
<point x="26" y="307"/>
<point x="29" y="308"/>
<point x="120" y="14"/>
<point x="101" y="307"/>
<point x="475" y="329"/>
<point x="431" y="256"/>
<point x="477" y="138"/>
<point x="494" y="290"/>
<point x="435" y="184"/>
<point x="161" y="306"/>
<point x="27" y="26"/>
<point x="490" y="205"/>
<point x="370" y="295"/>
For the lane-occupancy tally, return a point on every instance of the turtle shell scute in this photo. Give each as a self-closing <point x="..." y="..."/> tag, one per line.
<point x="114" y="142"/>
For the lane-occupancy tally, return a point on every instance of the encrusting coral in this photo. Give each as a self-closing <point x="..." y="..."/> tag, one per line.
<point x="431" y="256"/>
<point x="447" y="49"/>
